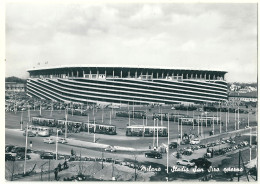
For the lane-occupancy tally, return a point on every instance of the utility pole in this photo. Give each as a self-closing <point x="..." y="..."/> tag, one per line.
<point x="49" y="176"/>
<point x="21" y="121"/>
<point x="57" y="146"/>
<point x="146" y="116"/>
<point x="214" y="124"/>
<point x="168" y="145"/>
<point x="239" y="165"/>
<point x="94" y="130"/>
<point x="157" y="134"/>
<point x="102" y="158"/>
<point x="110" y="118"/>
<point x="135" y="168"/>
<point x="153" y="132"/>
<point x="66" y="123"/>
<point x="25" y="155"/>
<point x="250" y="144"/>
<point x="102" y="115"/>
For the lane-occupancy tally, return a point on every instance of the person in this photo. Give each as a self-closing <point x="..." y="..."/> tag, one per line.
<point x="72" y="152"/>
<point x="59" y="166"/>
<point x="65" y="165"/>
<point x="56" y="174"/>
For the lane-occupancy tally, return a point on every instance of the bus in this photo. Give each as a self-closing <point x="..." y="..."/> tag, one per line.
<point x="77" y="112"/>
<point x="99" y="128"/>
<point x="132" y="114"/>
<point x="72" y="126"/>
<point x="146" y="131"/>
<point x="40" y="131"/>
<point x="164" y="116"/>
<point x="44" y="121"/>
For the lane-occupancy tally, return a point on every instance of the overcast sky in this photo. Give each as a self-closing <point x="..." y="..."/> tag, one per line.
<point x="195" y="36"/>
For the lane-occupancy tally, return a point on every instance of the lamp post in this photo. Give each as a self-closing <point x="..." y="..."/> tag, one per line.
<point x="26" y="140"/>
<point x="57" y="145"/>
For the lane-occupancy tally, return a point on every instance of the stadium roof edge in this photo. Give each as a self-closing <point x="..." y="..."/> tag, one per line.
<point x="119" y="66"/>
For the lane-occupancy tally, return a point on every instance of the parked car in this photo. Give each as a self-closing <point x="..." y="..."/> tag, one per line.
<point x="110" y="149"/>
<point x="184" y="142"/>
<point x="153" y="154"/>
<point x="202" y="146"/>
<point x="185" y="163"/>
<point x="21" y="156"/>
<point x="17" y="149"/>
<point x="9" y="157"/>
<point x="48" y="140"/>
<point x="62" y="140"/>
<point x="195" y="141"/>
<point x="8" y="148"/>
<point x="201" y="163"/>
<point x="47" y="155"/>
<point x="187" y="152"/>
<point x="30" y="134"/>
<point x="173" y="145"/>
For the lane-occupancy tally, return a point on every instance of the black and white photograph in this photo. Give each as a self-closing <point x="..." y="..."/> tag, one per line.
<point x="131" y="91"/>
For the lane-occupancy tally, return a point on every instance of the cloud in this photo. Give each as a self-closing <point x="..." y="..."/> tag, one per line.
<point x="178" y="35"/>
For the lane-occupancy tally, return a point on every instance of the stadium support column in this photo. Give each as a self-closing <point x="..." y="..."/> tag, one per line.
<point x="121" y="74"/>
<point x="105" y="73"/>
<point x="113" y="73"/>
<point x="83" y="75"/>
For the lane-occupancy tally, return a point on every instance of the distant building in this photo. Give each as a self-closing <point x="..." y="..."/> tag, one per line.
<point x="244" y="97"/>
<point x="14" y="87"/>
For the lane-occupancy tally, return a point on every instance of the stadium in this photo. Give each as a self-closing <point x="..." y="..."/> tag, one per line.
<point x="127" y="85"/>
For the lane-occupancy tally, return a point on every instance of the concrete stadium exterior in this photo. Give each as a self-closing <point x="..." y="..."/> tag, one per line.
<point x="127" y="85"/>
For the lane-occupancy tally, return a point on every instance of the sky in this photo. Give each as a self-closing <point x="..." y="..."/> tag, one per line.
<point x="194" y="36"/>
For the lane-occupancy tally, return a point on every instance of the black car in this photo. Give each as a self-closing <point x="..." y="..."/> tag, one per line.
<point x="153" y="154"/>
<point x="21" y="156"/>
<point x="8" y="148"/>
<point x="173" y="145"/>
<point x="202" y="163"/>
<point x="47" y="155"/>
<point x="202" y="146"/>
<point x="20" y="150"/>
<point x="9" y="157"/>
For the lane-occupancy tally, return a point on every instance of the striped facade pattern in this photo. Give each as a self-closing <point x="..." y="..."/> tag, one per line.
<point x="127" y="90"/>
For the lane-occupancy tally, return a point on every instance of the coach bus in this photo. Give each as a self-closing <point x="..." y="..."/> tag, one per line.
<point x="43" y="121"/>
<point x="147" y="131"/>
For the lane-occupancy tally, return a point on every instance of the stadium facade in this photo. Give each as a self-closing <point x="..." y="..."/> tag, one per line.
<point x="127" y="85"/>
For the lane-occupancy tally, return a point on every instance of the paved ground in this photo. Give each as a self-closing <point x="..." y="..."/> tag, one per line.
<point x="127" y="146"/>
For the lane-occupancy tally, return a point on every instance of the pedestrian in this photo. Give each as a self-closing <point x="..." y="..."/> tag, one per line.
<point x="56" y="174"/>
<point x="59" y="166"/>
<point x="65" y="166"/>
<point x="72" y="152"/>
